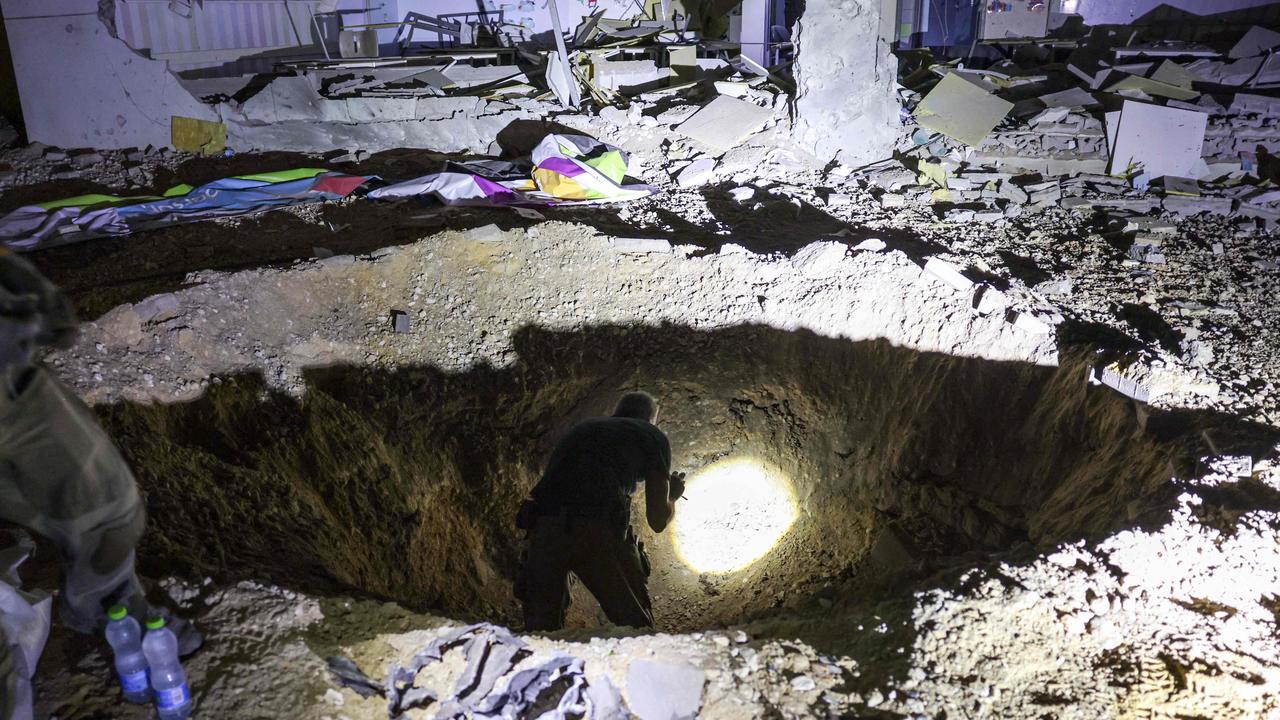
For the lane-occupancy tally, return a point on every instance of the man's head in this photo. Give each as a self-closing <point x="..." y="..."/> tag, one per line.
<point x="637" y="405"/>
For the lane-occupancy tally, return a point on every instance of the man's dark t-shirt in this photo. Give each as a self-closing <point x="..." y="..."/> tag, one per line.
<point x="599" y="463"/>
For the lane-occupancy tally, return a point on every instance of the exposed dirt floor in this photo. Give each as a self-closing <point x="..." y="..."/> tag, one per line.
<point x="969" y="521"/>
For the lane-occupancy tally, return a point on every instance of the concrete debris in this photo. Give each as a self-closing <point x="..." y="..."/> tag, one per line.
<point x="1158" y="141"/>
<point x="948" y="273"/>
<point x="662" y="691"/>
<point x="158" y="308"/>
<point x="961" y="111"/>
<point x="742" y="194"/>
<point x="725" y="122"/>
<point x="697" y="173"/>
<point x="820" y="259"/>
<point x="640" y="246"/>
<point x="399" y="321"/>
<point x="1115" y="379"/>
<point x="1256" y="41"/>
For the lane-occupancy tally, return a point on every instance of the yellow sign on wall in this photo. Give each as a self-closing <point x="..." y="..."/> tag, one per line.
<point x="198" y="136"/>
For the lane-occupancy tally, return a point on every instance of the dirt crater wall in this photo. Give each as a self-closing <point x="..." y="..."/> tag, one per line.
<point x="404" y="483"/>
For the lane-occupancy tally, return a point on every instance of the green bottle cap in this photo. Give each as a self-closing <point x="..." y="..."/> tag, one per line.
<point x="117" y="612"/>
<point x="155" y="623"/>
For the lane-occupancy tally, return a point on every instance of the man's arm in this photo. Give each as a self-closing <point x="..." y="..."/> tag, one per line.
<point x="659" y="506"/>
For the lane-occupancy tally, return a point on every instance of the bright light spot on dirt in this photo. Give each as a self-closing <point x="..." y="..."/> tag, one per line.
<point x="733" y="513"/>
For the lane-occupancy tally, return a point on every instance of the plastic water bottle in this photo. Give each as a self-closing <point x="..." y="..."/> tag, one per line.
<point x="125" y="637"/>
<point x="168" y="681"/>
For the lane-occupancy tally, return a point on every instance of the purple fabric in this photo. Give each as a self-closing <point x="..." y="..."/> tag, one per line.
<point x="564" y="166"/>
<point x="496" y="192"/>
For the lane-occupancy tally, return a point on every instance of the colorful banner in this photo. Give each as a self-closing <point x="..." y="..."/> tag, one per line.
<point x="87" y="216"/>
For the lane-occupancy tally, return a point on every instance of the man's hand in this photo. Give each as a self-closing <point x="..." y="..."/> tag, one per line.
<point x="676" y="483"/>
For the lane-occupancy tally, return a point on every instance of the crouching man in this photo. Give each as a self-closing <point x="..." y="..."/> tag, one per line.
<point x="579" y="517"/>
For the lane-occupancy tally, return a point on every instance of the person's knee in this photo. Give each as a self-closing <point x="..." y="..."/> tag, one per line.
<point x="115" y="545"/>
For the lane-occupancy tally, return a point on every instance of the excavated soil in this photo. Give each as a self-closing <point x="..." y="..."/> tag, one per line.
<point x="403" y="484"/>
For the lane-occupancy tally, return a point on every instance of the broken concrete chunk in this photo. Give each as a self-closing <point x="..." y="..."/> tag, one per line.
<point x="1031" y="324"/>
<point x="961" y="111"/>
<point x="893" y="200"/>
<point x="486" y="233"/>
<point x="988" y="300"/>
<point x="628" y="75"/>
<point x="1114" y="379"/>
<point x="1150" y="87"/>
<point x="1147" y="250"/>
<point x="158" y="308"/>
<point x="1051" y="115"/>
<point x="399" y="321"/>
<point x="726" y="122"/>
<point x="948" y="273"/>
<point x="662" y="691"/>
<point x="640" y="246"/>
<point x="1230" y="465"/>
<point x="1073" y="98"/>
<point x="86" y="160"/>
<point x="819" y="259"/>
<point x="697" y="173"/>
<point x="732" y="89"/>
<point x="1157" y="141"/>
<point x="614" y="115"/>
<point x="871" y="245"/>
<point x="742" y="194"/>
<point x="1256" y="41"/>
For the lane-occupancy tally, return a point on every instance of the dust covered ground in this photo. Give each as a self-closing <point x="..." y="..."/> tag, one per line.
<point x="984" y="531"/>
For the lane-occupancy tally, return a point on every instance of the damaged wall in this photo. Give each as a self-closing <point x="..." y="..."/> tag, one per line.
<point x="845" y="74"/>
<point x="80" y="87"/>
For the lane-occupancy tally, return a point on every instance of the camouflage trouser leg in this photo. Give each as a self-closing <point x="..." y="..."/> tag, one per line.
<point x="61" y="477"/>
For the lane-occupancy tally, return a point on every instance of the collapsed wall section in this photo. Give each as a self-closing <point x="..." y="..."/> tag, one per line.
<point x="82" y="87"/>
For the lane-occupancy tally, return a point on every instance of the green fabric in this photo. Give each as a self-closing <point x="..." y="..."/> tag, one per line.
<point x="87" y="200"/>
<point x="175" y="191"/>
<point x="284" y="175"/>
<point x="610" y="164"/>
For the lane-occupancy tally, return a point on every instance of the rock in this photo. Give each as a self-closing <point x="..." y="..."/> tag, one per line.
<point x="893" y="200"/>
<point x="819" y="259"/>
<point x="486" y="233"/>
<point x="86" y="160"/>
<point x="1032" y="325"/>
<point x="640" y="246"/>
<point x="742" y="194"/>
<point x="158" y="308"/>
<point x="616" y="116"/>
<point x="697" y="173"/>
<point x="871" y="245"/>
<point x="988" y="300"/>
<point x="662" y="691"/>
<point x="948" y="273"/>
<point x="803" y="683"/>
